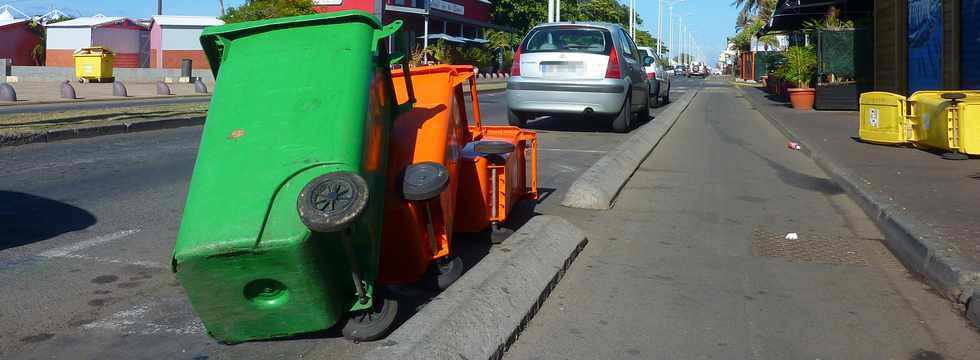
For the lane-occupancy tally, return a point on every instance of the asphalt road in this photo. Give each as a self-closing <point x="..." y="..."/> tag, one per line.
<point x="87" y="227"/>
<point x="693" y="261"/>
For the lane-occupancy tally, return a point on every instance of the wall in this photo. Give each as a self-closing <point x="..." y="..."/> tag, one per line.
<point x="890" y="46"/>
<point x="68" y="38"/>
<point x="18" y="42"/>
<point x="181" y="38"/>
<point x="125" y="43"/>
<point x="156" y="35"/>
<point x="172" y="59"/>
<point x="970" y="45"/>
<point x="136" y="75"/>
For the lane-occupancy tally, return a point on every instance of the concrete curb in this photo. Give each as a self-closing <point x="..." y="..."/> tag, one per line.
<point x="598" y="186"/>
<point x="48" y="102"/>
<point x="30" y="137"/>
<point x="481" y="315"/>
<point x="954" y="276"/>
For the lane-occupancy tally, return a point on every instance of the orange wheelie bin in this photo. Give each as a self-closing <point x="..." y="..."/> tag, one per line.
<point x="446" y="176"/>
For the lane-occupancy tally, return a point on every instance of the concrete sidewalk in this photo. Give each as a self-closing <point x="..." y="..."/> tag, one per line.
<point x="926" y="205"/>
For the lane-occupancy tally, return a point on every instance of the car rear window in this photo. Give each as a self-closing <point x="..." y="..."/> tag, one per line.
<point x="568" y="39"/>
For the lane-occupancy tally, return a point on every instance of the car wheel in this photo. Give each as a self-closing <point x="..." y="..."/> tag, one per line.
<point x="666" y="98"/>
<point x="516" y="119"/>
<point x="643" y="116"/>
<point x="655" y="94"/>
<point x="621" y="123"/>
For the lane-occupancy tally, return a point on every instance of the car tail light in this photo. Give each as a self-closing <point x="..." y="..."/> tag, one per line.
<point x="651" y="75"/>
<point x="612" y="68"/>
<point x="515" y="67"/>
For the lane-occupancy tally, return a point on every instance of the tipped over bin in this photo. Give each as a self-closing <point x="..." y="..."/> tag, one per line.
<point x="281" y="229"/>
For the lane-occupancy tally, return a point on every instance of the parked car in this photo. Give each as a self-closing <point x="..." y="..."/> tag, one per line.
<point x="697" y="70"/>
<point x="680" y="70"/>
<point x="657" y="76"/>
<point x="585" y="68"/>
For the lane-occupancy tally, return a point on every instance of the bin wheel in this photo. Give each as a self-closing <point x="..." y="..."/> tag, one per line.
<point x="424" y="181"/>
<point x="498" y="234"/>
<point x="493" y="147"/>
<point x="621" y="123"/>
<point x="448" y="271"/>
<point x="374" y="323"/>
<point x="331" y="202"/>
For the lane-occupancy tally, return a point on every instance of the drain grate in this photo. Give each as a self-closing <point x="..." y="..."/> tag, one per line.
<point x="808" y="249"/>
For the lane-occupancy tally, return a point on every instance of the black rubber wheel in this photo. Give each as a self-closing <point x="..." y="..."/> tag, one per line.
<point x="331" y="202"/>
<point x="493" y="147"/>
<point x="621" y="123"/>
<point x="374" y="323"/>
<point x="655" y="95"/>
<point x="644" y="115"/>
<point x="666" y="98"/>
<point x="424" y="181"/>
<point x="448" y="271"/>
<point x="498" y="236"/>
<point x="955" y="156"/>
<point x="516" y="119"/>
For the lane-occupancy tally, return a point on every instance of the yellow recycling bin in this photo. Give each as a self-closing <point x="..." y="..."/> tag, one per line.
<point x="884" y="119"/>
<point x="93" y="64"/>
<point x="946" y="120"/>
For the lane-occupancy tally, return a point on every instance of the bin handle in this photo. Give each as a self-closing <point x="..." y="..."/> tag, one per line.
<point x="399" y="58"/>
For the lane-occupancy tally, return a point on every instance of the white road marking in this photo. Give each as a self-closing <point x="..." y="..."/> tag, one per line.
<point x="85" y="244"/>
<point x="574" y="150"/>
<point x="68" y="252"/>
<point x="134" y="322"/>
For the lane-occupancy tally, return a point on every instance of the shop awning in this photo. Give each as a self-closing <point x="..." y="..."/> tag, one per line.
<point x="444" y="37"/>
<point x="790" y="15"/>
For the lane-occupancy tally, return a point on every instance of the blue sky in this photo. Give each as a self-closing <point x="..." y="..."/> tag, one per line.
<point x="711" y="20"/>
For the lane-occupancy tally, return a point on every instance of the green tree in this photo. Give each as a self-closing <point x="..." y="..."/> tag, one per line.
<point x="267" y="9"/>
<point x="38" y="53"/>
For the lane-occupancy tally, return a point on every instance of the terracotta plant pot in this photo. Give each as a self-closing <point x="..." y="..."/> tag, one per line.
<point x="801" y="98"/>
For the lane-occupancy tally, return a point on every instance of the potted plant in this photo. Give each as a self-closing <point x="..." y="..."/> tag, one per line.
<point x="799" y="68"/>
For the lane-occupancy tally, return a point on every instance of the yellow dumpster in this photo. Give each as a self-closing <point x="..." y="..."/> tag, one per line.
<point x="93" y="64"/>
<point x="884" y="119"/>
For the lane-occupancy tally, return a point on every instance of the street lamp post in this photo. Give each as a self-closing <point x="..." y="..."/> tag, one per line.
<point x="632" y="17"/>
<point x="551" y="10"/>
<point x="660" y="27"/>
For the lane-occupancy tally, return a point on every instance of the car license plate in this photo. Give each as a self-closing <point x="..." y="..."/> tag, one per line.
<point x="562" y="68"/>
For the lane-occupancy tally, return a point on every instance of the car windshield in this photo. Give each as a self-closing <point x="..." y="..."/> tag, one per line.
<point x="567" y="39"/>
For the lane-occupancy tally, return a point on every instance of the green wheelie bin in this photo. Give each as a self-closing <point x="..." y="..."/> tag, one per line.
<point x="281" y="230"/>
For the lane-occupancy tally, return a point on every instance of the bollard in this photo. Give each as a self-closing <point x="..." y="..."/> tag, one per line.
<point x="7" y="92"/>
<point x="185" y="68"/>
<point x="199" y="86"/>
<point x="119" y="89"/>
<point x="163" y="89"/>
<point x="67" y="91"/>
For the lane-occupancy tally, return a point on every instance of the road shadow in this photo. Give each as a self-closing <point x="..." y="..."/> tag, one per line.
<point x="579" y="123"/>
<point x="26" y="219"/>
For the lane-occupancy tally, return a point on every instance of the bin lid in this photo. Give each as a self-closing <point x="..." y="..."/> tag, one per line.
<point x="212" y="37"/>
<point x="94" y="50"/>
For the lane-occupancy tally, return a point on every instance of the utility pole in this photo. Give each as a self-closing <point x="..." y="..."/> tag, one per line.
<point x="551" y="10"/>
<point x="660" y="27"/>
<point x="159" y="7"/>
<point x="557" y="10"/>
<point x="221" y="4"/>
<point x="632" y="17"/>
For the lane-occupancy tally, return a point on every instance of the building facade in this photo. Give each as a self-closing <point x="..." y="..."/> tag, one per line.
<point x="18" y="41"/>
<point x="457" y="21"/>
<point x="127" y="39"/>
<point x="174" y="38"/>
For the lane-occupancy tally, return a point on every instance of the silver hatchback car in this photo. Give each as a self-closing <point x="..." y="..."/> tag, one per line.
<point x="579" y="68"/>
